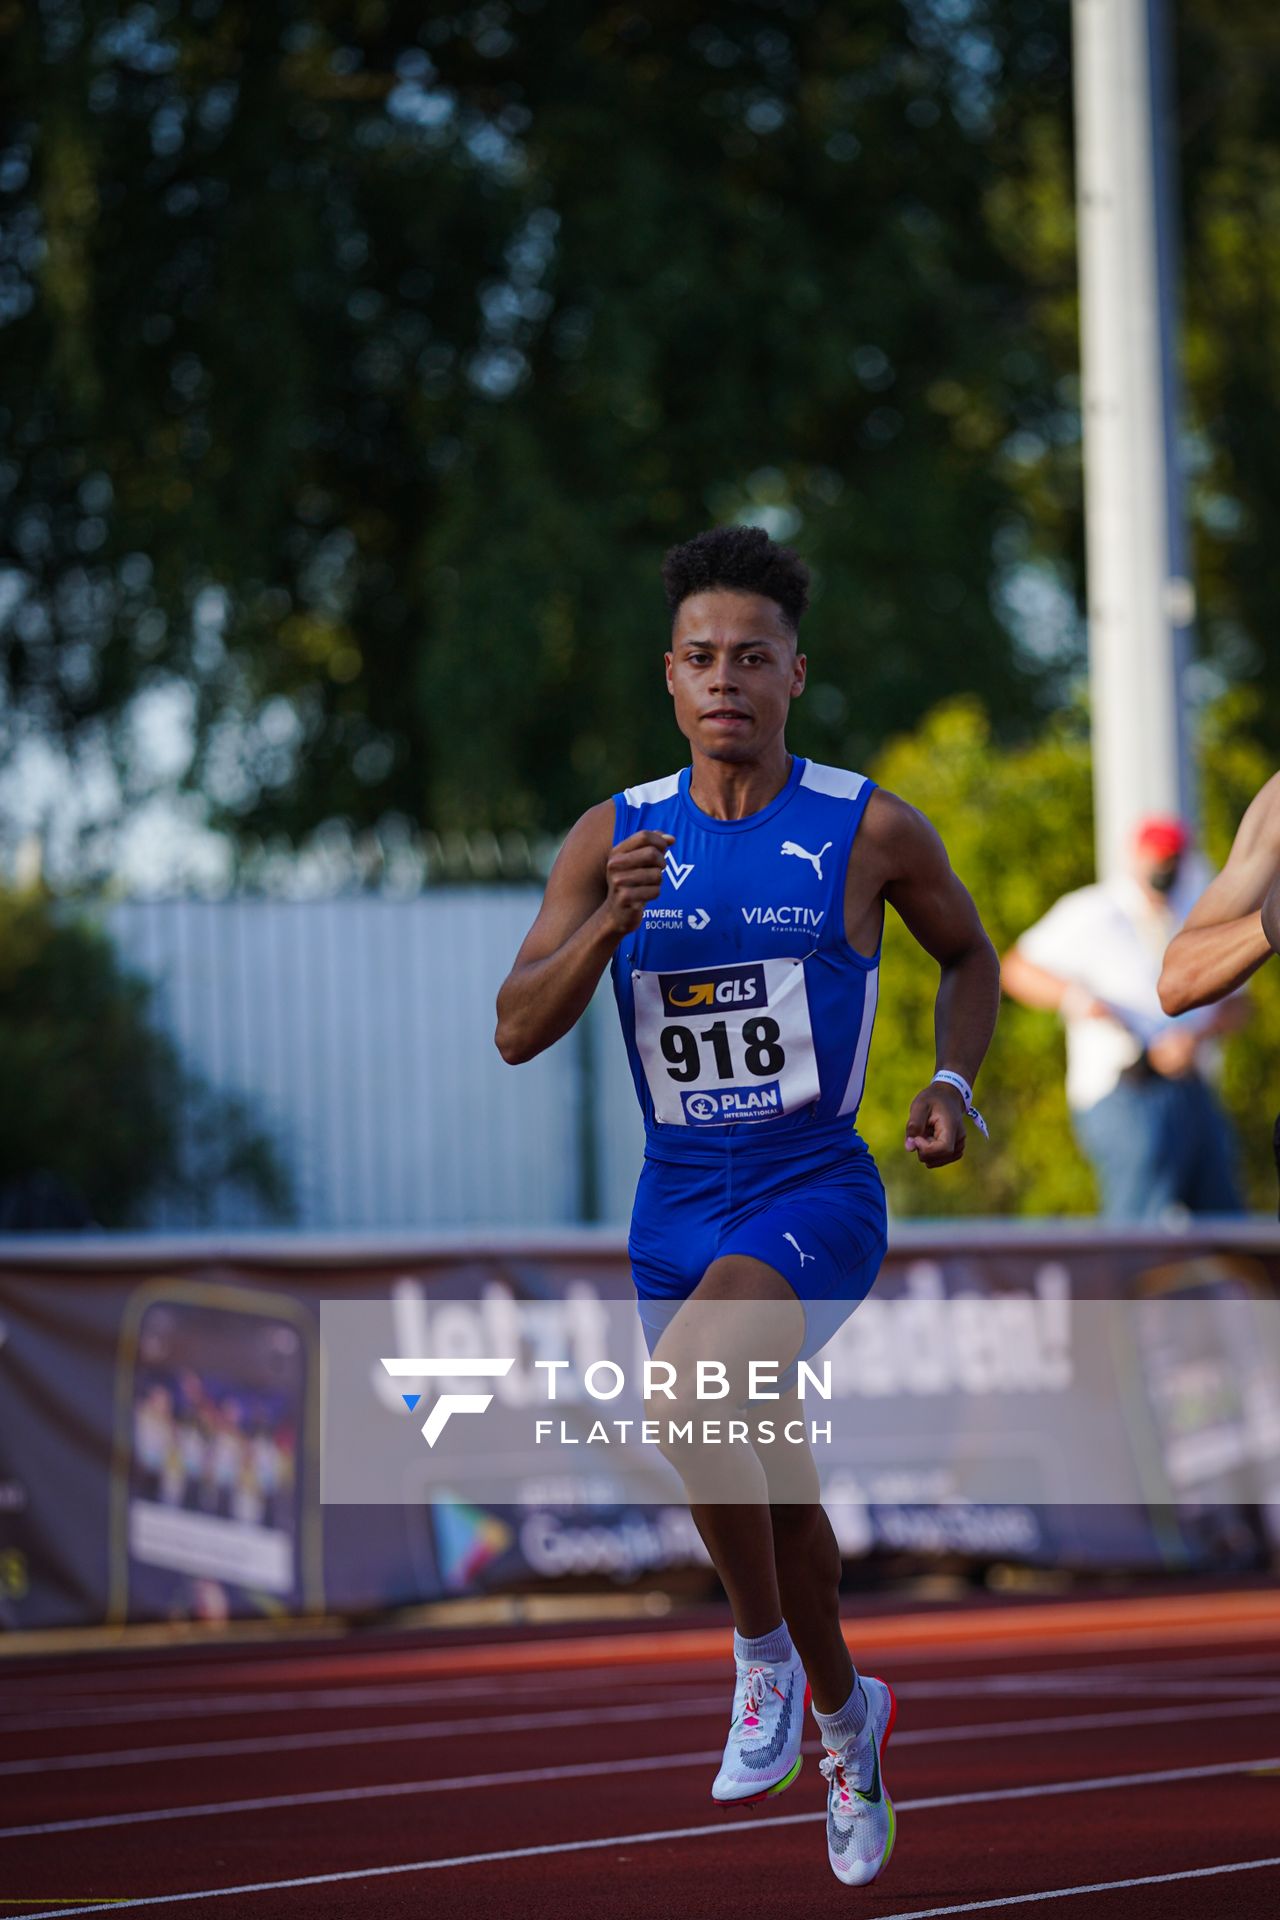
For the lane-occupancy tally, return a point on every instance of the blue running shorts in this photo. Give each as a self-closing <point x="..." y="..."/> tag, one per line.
<point x="818" y="1221"/>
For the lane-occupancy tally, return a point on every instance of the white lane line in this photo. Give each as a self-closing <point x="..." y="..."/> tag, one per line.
<point x="162" y="1703"/>
<point x="331" y="1700"/>
<point x="1156" y="1690"/>
<point x="1094" y="1785"/>
<point x="360" y="1736"/>
<point x="139" y="1676"/>
<point x="594" y="1716"/>
<point x="191" y="1697"/>
<point x="585" y="1769"/>
<point x="391" y="1790"/>
<point x="341" y="1700"/>
<point x="1140" y="1678"/>
<point x="1096" y="1886"/>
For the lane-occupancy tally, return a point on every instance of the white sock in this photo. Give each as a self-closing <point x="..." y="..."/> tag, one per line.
<point x="765" y="1649"/>
<point x="847" y="1722"/>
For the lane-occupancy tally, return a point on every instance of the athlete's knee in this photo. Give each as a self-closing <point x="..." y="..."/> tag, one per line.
<point x="678" y="1418"/>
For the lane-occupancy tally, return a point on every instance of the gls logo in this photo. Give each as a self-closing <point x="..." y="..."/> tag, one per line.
<point x="704" y="992"/>
<point x="423" y="1368"/>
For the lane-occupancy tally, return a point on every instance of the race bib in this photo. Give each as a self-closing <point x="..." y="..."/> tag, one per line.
<point x="726" y="1043"/>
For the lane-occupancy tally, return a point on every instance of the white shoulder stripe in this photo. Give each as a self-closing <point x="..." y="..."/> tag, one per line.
<point x="836" y="781"/>
<point x="652" y="791"/>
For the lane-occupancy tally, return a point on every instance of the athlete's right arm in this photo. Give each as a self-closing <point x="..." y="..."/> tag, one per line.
<point x="1233" y="926"/>
<point x="596" y="894"/>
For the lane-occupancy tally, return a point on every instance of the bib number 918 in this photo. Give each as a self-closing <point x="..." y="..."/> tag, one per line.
<point x="762" y="1055"/>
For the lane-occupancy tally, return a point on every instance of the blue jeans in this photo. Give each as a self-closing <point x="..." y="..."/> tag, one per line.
<point x="1157" y="1143"/>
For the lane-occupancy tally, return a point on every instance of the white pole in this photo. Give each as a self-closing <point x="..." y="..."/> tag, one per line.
<point x="1140" y="600"/>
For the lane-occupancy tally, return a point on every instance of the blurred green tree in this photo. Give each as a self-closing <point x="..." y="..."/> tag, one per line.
<point x="1018" y="823"/>
<point x="360" y="363"/>
<point x="360" y="366"/>
<point x="98" y="1114"/>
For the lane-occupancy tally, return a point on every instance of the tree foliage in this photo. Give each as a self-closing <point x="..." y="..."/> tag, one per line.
<point x="360" y="365"/>
<point x="98" y="1114"/>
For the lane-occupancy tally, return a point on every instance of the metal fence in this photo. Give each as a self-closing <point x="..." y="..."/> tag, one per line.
<point x="360" y="1032"/>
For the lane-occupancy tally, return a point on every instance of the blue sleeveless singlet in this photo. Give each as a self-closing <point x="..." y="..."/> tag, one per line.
<point x="746" y="1013"/>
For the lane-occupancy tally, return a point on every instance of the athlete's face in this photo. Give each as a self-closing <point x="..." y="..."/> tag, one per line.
<point x="733" y="671"/>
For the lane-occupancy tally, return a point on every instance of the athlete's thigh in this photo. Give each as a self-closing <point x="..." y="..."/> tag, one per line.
<point x="741" y="1311"/>
<point x="826" y="1235"/>
<point x="672" y="1239"/>
<point x="744" y="1318"/>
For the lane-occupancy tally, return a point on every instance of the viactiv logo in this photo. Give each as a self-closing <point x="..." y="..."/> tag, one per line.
<point x="423" y="1367"/>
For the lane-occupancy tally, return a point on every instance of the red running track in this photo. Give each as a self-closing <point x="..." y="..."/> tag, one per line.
<point x="1116" y="1758"/>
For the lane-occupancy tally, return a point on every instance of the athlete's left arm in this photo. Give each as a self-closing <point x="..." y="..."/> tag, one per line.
<point x="936" y="907"/>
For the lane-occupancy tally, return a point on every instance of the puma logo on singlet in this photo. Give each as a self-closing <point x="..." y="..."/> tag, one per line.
<point x="802" y="853"/>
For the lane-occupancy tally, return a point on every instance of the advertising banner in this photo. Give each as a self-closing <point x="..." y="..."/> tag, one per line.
<point x="201" y="1429"/>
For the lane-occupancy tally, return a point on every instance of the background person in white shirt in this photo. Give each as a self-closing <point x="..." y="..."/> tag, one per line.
<point x="1142" y="1109"/>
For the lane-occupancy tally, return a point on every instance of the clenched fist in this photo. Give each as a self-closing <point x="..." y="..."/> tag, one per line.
<point x="935" y="1125"/>
<point x="634" y="874"/>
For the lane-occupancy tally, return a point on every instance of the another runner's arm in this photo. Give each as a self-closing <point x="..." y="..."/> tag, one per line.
<point x="938" y="911"/>
<point x="1235" y="924"/>
<point x="595" y="894"/>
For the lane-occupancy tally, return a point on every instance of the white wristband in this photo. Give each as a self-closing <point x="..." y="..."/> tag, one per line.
<point x="962" y="1087"/>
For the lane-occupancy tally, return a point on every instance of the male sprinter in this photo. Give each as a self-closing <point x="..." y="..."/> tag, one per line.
<point x="1235" y="924"/>
<point x="740" y="905"/>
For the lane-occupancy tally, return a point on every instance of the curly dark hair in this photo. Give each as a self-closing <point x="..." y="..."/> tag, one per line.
<point x="742" y="558"/>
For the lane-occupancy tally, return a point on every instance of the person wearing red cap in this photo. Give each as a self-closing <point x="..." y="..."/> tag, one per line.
<point x="1142" y="1108"/>
<point x="1163" y="836"/>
